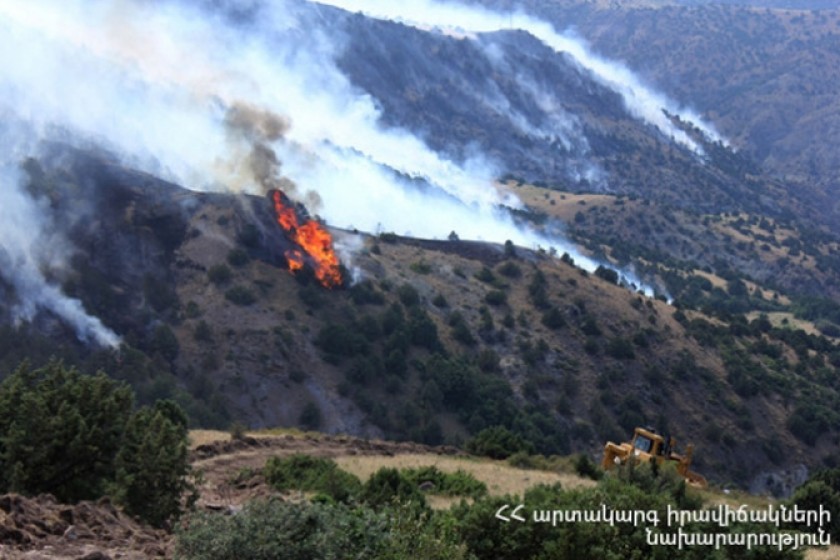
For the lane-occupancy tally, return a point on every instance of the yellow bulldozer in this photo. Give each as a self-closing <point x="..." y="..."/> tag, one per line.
<point x="647" y="446"/>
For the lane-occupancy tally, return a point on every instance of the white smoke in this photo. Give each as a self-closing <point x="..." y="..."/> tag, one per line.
<point x="154" y="81"/>
<point x="27" y="247"/>
<point x="641" y="100"/>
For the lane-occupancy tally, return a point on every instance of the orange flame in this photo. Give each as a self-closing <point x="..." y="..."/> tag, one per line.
<point x="315" y="242"/>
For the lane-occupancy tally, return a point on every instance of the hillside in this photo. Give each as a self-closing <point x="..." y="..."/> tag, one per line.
<point x="763" y="76"/>
<point x="435" y="340"/>
<point x="132" y="247"/>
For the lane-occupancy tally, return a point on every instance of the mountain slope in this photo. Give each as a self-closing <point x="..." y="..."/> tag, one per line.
<point x="764" y="77"/>
<point x="436" y="341"/>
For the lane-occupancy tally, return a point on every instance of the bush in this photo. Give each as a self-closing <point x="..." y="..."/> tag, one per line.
<point x="621" y="349"/>
<point x="365" y="293"/>
<point x="276" y="529"/>
<point x="311" y="474"/>
<point x="240" y="295"/>
<point x="74" y="436"/>
<point x="238" y="258"/>
<point x="510" y="269"/>
<point x="607" y="274"/>
<point x="553" y="319"/>
<point x="219" y="274"/>
<point x="460" y="330"/>
<point x="339" y="341"/>
<point x="408" y="294"/>
<point x="821" y="490"/>
<point x="497" y="443"/>
<point x="153" y="463"/>
<point x="486" y="275"/>
<point x="60" y="431"/>
<point x="584" y="466"/>
<point x="459" y="483"/>
<point x="496" y="297"/>
<point x="388" y="486"/>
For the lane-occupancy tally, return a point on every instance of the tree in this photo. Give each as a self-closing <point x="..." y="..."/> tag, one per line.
<point x="152" y="463"/>
<point x="607" y="274"/>
<point x="60" y="431"/>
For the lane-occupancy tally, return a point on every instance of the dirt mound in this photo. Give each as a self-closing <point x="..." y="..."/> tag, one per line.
<point x="35" y="528"/>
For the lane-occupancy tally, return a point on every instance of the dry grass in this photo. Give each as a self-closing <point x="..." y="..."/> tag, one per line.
<point x="776" y="319"/>
<point x="565" y="204"/>
<point x="204" y="437"/>
<point x="499" y="477"/>
<point x="830" y="553"/>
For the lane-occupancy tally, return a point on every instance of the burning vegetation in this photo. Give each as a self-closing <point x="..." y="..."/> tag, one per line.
<point x="315" y="244"/>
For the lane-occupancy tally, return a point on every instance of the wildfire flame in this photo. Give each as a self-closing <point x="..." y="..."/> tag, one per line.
<point x="315" y="242"/>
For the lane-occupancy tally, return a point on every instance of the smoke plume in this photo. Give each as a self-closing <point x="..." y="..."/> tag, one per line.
<point x="244" y="98"/>
<point x="640" y="100"/>
<point x="28" y="246"/>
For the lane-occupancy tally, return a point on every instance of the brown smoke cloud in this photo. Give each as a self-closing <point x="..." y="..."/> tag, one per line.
<point x="256" y="129"/>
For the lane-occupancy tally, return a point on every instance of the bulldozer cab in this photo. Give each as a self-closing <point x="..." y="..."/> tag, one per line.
<point x="647" y="442"/>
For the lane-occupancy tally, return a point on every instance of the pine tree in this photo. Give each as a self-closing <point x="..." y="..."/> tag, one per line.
<point x="152" y="464"/>
<point x="60" y="431"/>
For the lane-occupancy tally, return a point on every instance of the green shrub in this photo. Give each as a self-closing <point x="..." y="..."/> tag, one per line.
<point x="486" y="275"/>
<point x="339" y="341"/>
<point x="388" y="486"/>
<point x="408" y="294"/>
<point x="821" y="490"/>
<point x="273" y="529"/>
<point x="584" y="466"/>
<point x="421" y="267"/>
<point x="60" y="431"/>
<point x="607" y="274"/>
<point x="311" y="474"/>
<point x="496" y="297"/>
<point x="459" y="483"/>
<point x="553" y="318"/>
<point x="74" y="436"/>
<point x="364" y="293"/>
<point x="497" y="443"/>
<point x="510" y="269"/>
<point x="238" y="257"/>
<point x="153" y="463"/>
<point x="620" y="349"/>
<point x="219" y="274"/>
<point x="240" y="295"/>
